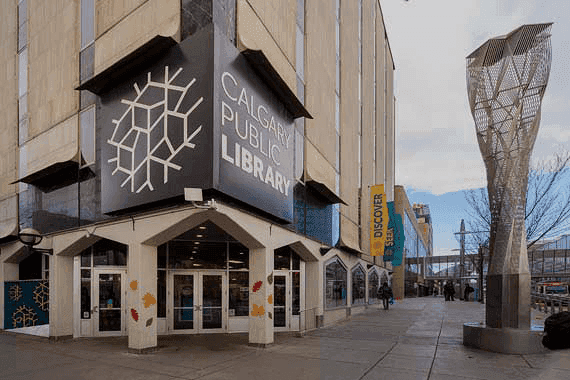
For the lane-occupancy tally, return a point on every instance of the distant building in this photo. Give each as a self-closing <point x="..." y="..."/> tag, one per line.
<point x="408" y="278"/>
<point x="423" y="218"/>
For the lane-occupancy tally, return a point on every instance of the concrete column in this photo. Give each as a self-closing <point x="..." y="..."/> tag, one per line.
<point x="261" y="296"/>
<point x="141" y="298"/>
<point x="9" y="272"/>
<point x="314" y="291"/>
<point x="60" y="297"/>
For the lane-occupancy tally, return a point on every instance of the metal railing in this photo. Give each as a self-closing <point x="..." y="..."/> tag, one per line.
<point x="550" y="303"/>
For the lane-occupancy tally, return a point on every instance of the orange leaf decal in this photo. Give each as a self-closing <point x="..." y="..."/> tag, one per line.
<point x="134" y="285"/>
<point x="257" y="311"/>
<point x="148" y="300"/>
<point x="270" y="299"/>
<point x="257" y="286"/>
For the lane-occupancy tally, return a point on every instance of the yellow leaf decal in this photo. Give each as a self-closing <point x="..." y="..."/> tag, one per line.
<point x="257" y="311"/>
<point x="148" y="300"/>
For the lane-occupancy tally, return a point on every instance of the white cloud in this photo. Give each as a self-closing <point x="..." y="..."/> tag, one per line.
<point x="436" y="145"/>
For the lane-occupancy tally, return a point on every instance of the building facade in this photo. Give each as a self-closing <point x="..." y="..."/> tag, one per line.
<point x="193" y="168"/>
<point x="409" y="278"/>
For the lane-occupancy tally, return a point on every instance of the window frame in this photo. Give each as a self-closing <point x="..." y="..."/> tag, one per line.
<point x="352" y="277"/>
<point x="333" y="260"/>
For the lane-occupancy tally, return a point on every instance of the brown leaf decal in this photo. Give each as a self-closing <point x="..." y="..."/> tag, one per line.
<point x="270" y="279"/>
<point x="257" y="311"/>
<point x="269" y="315"/>
<point x="148" y="300"/>
<point x="149" y="322"/>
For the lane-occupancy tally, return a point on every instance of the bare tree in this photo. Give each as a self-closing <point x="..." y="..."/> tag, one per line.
<point x="547" y="208"/>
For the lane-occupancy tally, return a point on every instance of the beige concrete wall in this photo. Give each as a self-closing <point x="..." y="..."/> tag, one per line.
<point x="9" y="96"/>
<point x="110" y="12"/>
<point x="122" y="28"/>
<point x="53" y="61"/>
<point x="368" y="122"/>
<point x="320" y="77"/>
<point x="270" y="26"/>
<point x="349" y="128"/>
<point x="381" y="83"/>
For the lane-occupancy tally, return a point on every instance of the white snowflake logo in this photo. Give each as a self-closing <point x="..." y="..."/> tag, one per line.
<point x="147" y="137"/>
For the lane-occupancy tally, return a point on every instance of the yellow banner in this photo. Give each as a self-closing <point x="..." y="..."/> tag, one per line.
<point x="378" y="220"/>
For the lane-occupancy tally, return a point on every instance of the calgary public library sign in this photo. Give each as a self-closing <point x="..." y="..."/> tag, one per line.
<point x="199" y="117"/>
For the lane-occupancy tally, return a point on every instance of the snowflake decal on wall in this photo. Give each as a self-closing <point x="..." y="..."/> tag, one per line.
<point x="41" y="295"/>
<point x="15" y="292"/>
<point x="144" y="132"/>
<point x="24" y="316"/>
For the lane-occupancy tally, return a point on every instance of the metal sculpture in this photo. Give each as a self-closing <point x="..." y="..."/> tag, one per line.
<point x="506" y="81"/>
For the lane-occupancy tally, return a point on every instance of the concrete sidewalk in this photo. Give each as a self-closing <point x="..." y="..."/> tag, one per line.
<point x="419" y="338"/>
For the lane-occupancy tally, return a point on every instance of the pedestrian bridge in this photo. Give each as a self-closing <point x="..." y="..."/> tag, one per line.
<point x="543" y="264"/>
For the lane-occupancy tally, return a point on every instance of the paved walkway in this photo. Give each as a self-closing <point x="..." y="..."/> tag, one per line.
<point x="416" y="339"/>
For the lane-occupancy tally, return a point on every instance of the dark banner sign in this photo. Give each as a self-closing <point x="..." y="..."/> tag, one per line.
<point x="200" y="117"/>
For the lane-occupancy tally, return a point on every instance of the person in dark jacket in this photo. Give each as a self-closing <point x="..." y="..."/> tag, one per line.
<point x="449" y="291"/>
<point x="385" y="292"/>
<point x="468" y="290"/>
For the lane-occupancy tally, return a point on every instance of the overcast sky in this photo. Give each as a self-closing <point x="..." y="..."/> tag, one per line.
<point x="436" y="149"/>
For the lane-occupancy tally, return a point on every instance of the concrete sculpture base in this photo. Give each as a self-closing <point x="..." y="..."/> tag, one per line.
<point x="506" y="341"/>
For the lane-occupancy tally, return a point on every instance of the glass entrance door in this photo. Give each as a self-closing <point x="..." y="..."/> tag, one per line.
<point x="199" y="302"/>
<point x="281" y="301"/>
<point x="108" y="309"/>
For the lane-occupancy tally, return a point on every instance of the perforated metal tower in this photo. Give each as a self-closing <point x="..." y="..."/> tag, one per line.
<point x="506" y="81"/>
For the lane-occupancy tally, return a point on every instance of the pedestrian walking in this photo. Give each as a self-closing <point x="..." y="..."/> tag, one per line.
<point x="468" y="290"/>
<point x="449" y="291"/>
<point x="385" y="292"/>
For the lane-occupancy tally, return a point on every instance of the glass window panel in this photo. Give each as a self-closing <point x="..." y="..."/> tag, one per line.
<point x="183" y="302"/>
<point x="335" y="285"/>
<point x="110" y="320"/>
<point x="296" y="261"/>
<point x="86" y="258"/>
<point x="358" y="286"/>
<point x="161" y="256"/>
<point x="299" y="154"/>
<point x="212" y="302"/>
<point x="197" y="255"/>
<point x="239" y="256"/>
<point x="85" y="298"/>
<point x="296" y="301"/>
<point x="22" y="12"/>
<point x="373" y="284"/>
<point x="109" y="291"/>
<point x="107" y="252"/>
<point x="87" y="124"/>
<point x="86" y="273"/>
<point x="161" y="294"/>
<point x="239" y="294"/>
<point x="87" y="22"/>
<point x="279" y="301"/>
<point x="23" y="72"/>
<point x="22" y="36"/>
<point x="282" y="259"/>
<point x="300" y="52"/>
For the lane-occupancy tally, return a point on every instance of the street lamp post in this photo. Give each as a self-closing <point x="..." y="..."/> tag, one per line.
<point x="30" y="237"/>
